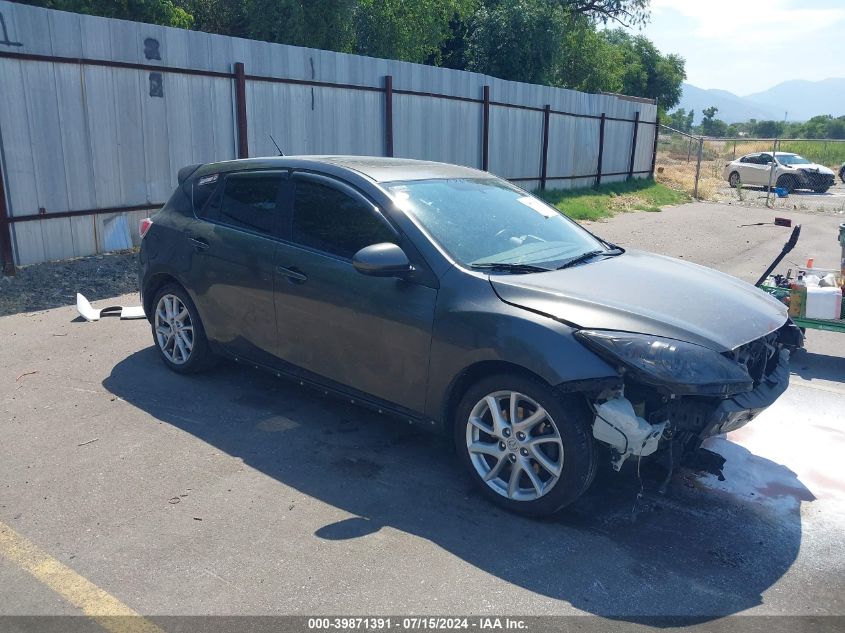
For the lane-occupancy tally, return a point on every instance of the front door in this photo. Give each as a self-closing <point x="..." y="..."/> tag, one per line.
<point x="368" y="333"/>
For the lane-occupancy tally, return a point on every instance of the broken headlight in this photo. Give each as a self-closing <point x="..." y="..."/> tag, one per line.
<point x="684" y="368"/>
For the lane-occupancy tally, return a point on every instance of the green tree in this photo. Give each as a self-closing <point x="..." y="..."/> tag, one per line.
<point x="836" y="128"/>
<point x="710" y="125"/>
<point x="411" y="31"/>
<point x="681" y="120"/>
<point x="325" y="24"/>
<point x="164" y="12"/>
<point x="646" y="72"/>
<point x="627" y="12"/>
<point x="539" y="42"/>
<point x="768" y="129"/>
<point x="519" y="40"/>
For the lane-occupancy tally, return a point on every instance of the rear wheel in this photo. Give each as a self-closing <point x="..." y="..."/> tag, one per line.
<point x="822" y="189"/>
<point x="528" y="448"/>
<point x="178" y="332"/>
<point x="733" y="179"/>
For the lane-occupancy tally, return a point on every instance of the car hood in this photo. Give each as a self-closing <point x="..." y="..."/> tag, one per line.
<point x="814" y="167"/>
<point x="649" y="294"/>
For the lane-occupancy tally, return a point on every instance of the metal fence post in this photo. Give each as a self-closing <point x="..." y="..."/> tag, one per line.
<point x="634" y="145"/>
<point x="543" y="169"/>
<point x="654" y="149"/>
<point x="485" y="138"/>
<point x="6" y="253"/>
<point x="601" y="150"/>
<point x="689" y="150"/>
<point x="698" y="166"/>
<point x="240" y="110"/>
<point x="388" y="114"/>
<point x="772" y="166"/>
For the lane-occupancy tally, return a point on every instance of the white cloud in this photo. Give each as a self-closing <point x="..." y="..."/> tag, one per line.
<point x="746" y="24"/>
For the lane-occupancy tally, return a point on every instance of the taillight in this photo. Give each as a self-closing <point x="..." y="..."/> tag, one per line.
<point x="144" y="226"/>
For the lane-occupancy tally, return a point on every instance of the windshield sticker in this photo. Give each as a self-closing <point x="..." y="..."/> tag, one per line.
<point x="402" y="199"/>
<point x="207" y="180"/>
<point x="541" y="208"/>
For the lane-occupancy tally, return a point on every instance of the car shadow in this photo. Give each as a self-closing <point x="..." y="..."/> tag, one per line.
<point x="623" y="551"/>
<point x="814" y="366"/>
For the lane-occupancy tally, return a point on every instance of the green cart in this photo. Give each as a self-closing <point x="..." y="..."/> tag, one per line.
<point x="837" y="325"/>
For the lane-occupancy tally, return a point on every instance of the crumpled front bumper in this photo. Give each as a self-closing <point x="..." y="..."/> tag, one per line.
<point x="736" y="412"/>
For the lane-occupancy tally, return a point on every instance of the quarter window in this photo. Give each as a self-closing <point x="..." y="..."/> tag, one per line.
<point x="248" y="201"/>
<point x="331" y="221"/>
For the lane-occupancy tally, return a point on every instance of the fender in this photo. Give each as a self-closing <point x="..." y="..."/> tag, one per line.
<point x="472" y="325"/>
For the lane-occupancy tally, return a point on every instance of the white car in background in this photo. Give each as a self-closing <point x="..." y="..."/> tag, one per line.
<point x="791" y="172"/>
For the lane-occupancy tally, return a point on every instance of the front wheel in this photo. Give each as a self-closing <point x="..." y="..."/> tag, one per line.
<point x="788" y="183"/>
<point x="528" y="448"/>
<point x="178" y="332"/>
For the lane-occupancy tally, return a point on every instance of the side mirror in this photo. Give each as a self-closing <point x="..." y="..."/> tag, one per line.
<point x="382" y="260"/>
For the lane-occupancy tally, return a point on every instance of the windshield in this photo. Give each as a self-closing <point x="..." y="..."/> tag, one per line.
<point x="792" y="159"/>
<point x="488" y="221"/>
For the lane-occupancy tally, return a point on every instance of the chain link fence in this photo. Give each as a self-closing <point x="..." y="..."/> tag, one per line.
<point x="696" y="164"/>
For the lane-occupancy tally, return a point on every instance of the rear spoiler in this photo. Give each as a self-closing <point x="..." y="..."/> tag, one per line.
<point x="186" y="172"/>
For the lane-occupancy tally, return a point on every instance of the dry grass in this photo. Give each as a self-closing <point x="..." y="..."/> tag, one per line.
<point x="680" y="175"/>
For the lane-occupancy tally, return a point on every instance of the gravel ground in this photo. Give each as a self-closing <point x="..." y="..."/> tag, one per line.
<point x="832" y="202"/>
<point x="54" y="284"/>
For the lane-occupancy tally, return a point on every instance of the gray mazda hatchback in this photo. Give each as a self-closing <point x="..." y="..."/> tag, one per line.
<point x="455" y="300"/>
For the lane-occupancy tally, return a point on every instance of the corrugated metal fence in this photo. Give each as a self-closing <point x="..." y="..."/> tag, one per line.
<point x="97" y="115"/>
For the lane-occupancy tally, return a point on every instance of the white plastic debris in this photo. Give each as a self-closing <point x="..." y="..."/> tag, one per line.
<point x="619" y="426"/>
<point x="90" y="313"/>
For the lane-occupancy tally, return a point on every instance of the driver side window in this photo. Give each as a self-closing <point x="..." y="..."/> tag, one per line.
<point x="328" y="220"/>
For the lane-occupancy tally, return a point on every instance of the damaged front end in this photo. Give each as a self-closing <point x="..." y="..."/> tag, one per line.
<point x="672" y="394"/>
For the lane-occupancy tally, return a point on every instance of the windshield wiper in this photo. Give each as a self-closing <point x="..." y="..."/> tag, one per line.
<point x="506" y="267"/>
<point x="589" y="255"/>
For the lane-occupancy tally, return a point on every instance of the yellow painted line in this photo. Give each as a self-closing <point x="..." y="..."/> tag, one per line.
<point x="100" y="606"/>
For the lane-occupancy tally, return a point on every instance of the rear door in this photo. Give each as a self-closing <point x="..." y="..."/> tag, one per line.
<point x="748" y="169"/>
<point x="234" y="239"/>
<point x="368" y="333"/>
<point x="758" y="170"/>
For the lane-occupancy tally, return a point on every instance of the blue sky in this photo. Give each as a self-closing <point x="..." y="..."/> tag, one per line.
<point x="749" y="45"/>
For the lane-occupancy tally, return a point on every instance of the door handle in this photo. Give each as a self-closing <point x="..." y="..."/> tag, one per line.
<point x="199" y="243"/>
<point x="296" y="276"/>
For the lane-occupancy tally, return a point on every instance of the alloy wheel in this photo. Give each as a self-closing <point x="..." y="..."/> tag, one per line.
<point x="174" y="329"/>
<point x="514" y="445"/>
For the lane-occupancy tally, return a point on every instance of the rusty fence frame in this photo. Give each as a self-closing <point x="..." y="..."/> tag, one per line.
<point x="240" y="77"/>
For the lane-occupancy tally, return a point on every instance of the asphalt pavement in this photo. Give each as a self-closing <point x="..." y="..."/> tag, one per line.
<point x="238" y="493"/>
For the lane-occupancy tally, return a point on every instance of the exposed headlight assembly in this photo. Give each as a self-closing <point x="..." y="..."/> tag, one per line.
<point x="684" y="368"/>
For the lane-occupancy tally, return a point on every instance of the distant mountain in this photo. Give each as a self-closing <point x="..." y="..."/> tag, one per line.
<point x="804" y="99"/>
<point x="799" y="98"/>
<point x="732" y="109"/>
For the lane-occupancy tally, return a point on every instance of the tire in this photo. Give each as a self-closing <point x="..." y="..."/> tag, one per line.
<point x="192" y="354"/>
<point x="733" y="180"/>
<point x="842" y="173"/>
<point x="567" y="446"/>
<point x="821" y="189"/>
<point x="787" y="182"/>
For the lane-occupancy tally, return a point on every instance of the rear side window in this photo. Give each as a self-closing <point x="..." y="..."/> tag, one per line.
<point x="331" y="221"/>
<point x="202" y="190"/>
<point x="246" y="201"/>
